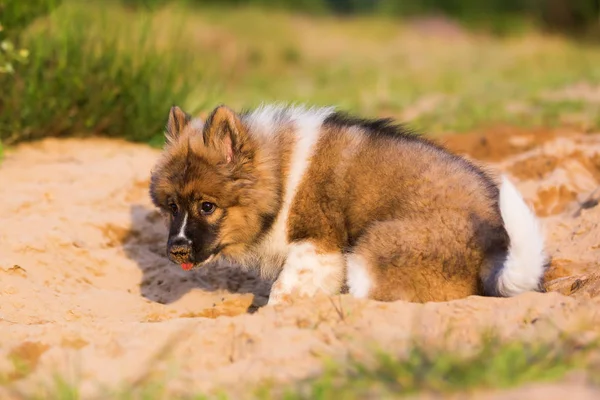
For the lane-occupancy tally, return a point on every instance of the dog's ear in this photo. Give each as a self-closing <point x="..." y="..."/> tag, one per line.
<point x="225" y="132"/>
<point x="178" y="119"/>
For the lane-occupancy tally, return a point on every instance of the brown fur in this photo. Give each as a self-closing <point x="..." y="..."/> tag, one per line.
<point x="396" y="203"/>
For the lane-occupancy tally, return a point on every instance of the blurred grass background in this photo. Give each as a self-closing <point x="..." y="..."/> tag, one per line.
<point x="84" y="67"/>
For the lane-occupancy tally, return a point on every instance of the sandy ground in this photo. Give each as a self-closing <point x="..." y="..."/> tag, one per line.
<point x="86" y="293"/>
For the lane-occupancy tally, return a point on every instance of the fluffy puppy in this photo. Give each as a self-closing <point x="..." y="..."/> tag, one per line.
<point x="321" y="200"/>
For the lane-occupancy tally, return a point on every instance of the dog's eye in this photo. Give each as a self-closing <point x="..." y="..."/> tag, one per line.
<point x="207" y="208"/>
<point x="174" y="208"/>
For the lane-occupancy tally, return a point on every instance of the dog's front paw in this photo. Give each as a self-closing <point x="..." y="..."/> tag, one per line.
<point x="279" y="295"/>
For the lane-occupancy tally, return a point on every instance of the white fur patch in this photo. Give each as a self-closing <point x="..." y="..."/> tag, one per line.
<point x="357" y="276"/>
<point x="307" y="272"/>
<point x="181" y="233"/>
<point x="524" y="265"/>
<point x="267" y="120"/>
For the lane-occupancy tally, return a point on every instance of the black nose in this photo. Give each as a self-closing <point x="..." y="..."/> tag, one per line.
<point x="180" y="251"/>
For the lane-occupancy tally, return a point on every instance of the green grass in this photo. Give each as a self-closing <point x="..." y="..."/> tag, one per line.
<point x="425" y="369"/>
<point x="496" y="366"/>
<point x="97" y="70"/>
<point x="115" y="71"/>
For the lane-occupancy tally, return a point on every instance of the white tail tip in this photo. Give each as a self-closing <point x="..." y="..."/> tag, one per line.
<point x="526" y="260"/>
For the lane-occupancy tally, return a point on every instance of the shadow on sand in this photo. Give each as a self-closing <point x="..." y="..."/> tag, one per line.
<point x="164" y="282"/>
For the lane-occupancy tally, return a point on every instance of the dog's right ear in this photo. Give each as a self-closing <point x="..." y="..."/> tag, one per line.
<point x="178" y="119"/>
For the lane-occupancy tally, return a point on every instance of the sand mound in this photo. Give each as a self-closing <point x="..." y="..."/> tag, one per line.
<point x="86" y="292"/>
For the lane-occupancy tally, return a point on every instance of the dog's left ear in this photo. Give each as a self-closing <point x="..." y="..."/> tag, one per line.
<point x="178" y="119"/>
<point x="224" y="131"/>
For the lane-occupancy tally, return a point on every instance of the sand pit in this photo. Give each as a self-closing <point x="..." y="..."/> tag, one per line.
<point x="86" y="292"/>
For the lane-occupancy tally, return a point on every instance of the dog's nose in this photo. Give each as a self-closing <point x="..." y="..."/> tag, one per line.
<point x="180" y="251"/>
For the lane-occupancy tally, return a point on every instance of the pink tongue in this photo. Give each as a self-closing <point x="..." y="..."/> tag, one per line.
<point x="187" y="266"/>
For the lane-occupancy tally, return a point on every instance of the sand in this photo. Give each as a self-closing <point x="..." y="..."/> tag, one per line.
<point x="87" y="294"/>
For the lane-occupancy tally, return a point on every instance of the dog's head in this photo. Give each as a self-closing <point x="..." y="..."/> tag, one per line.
<point x="214" y="186"/>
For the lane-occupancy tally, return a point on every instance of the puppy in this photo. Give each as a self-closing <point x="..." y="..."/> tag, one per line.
<point x="322" y="200"/>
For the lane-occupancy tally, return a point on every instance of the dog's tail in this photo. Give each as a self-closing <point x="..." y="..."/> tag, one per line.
<point x="526" y="261"/>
